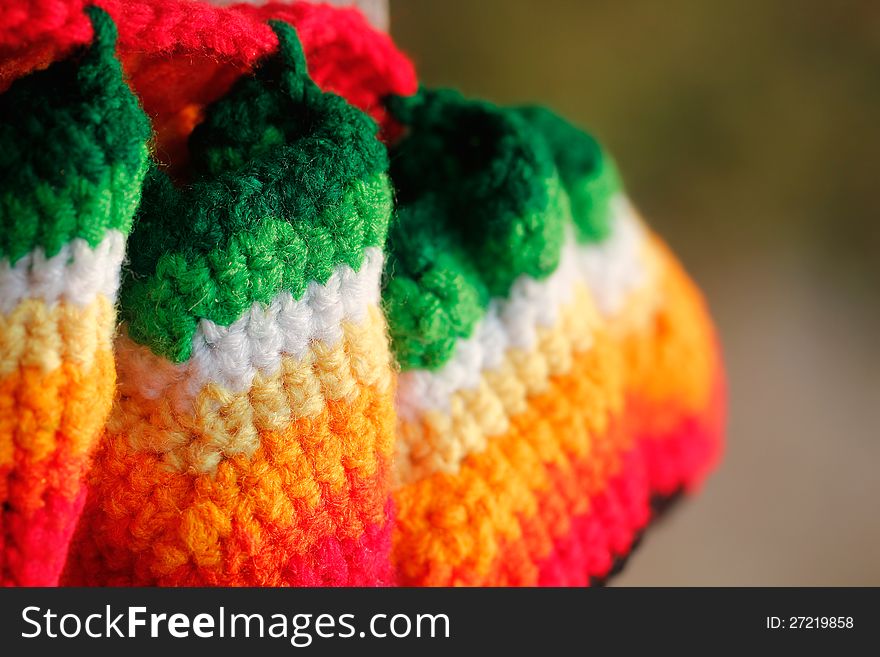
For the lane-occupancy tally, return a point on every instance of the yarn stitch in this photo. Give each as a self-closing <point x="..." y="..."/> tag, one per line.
<point x="182" y="55"/>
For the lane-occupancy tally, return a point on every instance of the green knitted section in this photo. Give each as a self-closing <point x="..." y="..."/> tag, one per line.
<point x="481" y="203"/>
<point x="485" y="194"/>
<point x="281" y="107"/>
<point x="219" y="279"/>
<point x="290" y="184"/>
<point x="73" y="150"/>
<point x="491" y="179"/>
<point x="433" y="293"/>
<point x="589" y="174"/>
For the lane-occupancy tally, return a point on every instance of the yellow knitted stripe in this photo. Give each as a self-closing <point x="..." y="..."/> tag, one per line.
<point x="217" y="423"/>
<point x="440" y="441"/>
<point x="451" y="526"/>
<point x="41" y="336"/>
<point x="672" y="361"/>
<point x="56" y="379"/>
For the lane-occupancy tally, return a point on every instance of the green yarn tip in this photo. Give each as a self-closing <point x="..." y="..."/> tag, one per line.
<point x="490" y="177"/>
<point x="279" y="106"/>
<point x="587" y="171"/>
<point x="432" y="292"/>
<point x="73" y="150"/>
<point x="486" y="195"/>
<point x="290" y="182"/>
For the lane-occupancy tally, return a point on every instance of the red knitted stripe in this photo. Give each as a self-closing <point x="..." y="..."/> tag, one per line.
<point x="658" y="465"/>
<point x="304" y="551"/>
<point x="34" y="545"/>
<point x="332" y="562"/>
<point x="44" y="500"/>
<point x="181" y="55"/>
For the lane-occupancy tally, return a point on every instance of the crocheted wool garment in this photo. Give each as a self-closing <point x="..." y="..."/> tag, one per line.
<point x="181" y="55"/>
<point x="252" y="438"/>
<point x="557" y="376"/>
<point x="559" y="369"/>
<point x="73" y="153"/>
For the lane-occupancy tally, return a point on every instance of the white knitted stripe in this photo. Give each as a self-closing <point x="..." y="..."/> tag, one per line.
<point x="76" y="274"/>
<point x="615" y="268"/>
<point x="231" y="355"/>
<point x="612" y="269"/>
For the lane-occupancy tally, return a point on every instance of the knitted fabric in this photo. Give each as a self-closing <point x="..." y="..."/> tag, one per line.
<point x="251" y="442"/>
<point x="559" y="369"/>
<point x="72" y="156"/>
<point x="495" y="382"/>
<point x="182" y="55"/>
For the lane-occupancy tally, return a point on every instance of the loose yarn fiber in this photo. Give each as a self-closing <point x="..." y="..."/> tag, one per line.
<point x="365" y="333"/>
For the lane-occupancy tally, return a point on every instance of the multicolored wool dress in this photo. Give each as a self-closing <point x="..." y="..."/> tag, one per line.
<point x="366" y="334"/>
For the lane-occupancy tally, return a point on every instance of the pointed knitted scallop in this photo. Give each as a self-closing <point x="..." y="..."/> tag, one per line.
<point x="251" y="441"/>
<point x="495" y="186"/>
<point x="486" y="195"/>
<point x="73" y="152"/>
<point x="281" y="107"/>
<point x="480" y="203"/>
<point x="587" y="171"/>
<point x="292" y="183"/>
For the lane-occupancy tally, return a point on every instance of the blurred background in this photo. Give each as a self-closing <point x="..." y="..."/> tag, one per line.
<point x="748" y="133"/>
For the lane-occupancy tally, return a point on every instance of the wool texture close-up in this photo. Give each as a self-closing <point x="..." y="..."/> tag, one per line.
<point x="275" y="315"/>
<point x="73" y="153"/>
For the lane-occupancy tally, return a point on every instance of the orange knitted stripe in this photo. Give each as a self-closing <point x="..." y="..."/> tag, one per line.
<point x="194" y="432"/>
<point x="505" y="551"/>
<point x="326" y="475"/>
<point x="674" y="361"/>
<point x="217" y="524"/>
<point x="575" y="486"/>
<point x="64" y="408"/>
<point x="56" y="377"/>
<point x="447" y="522"/>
